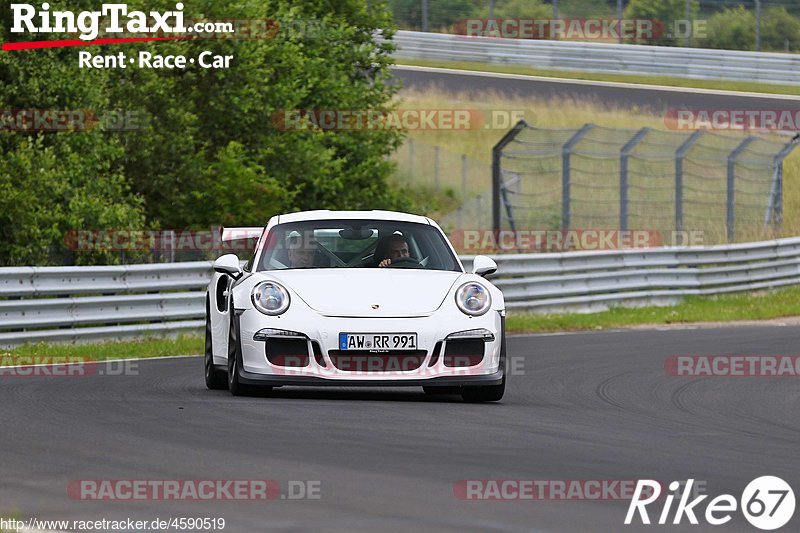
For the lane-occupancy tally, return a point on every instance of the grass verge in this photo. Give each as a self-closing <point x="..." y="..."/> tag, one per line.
<point x="741" y="86"/>
<point x="727" y="308"/>
<point x="144" y="348"/>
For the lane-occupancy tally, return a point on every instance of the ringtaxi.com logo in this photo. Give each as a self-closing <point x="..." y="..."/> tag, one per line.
<point x="768" y="503"/>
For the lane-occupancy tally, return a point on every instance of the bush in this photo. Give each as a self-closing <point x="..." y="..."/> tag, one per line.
<point x="528" y="9"/>
<point x="732" y="29"/>
<point x="441" y="13"/>
<point x="780" y="31"/>
<point x="666" y="12"/>
<point x="207" y="152"/>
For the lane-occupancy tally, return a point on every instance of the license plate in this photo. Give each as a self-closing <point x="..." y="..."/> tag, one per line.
<point x="378" y="341"/>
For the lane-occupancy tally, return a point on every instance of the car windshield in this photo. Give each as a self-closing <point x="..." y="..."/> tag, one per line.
<point x="356" y="244"/>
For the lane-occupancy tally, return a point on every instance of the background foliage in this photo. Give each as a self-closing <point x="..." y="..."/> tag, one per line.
<point x="207" y="152"/>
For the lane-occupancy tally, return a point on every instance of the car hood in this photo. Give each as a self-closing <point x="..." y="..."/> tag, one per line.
<point x="355" y="292"/>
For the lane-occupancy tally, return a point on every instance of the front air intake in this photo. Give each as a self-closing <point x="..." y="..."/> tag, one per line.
<point x="459" y="353"/>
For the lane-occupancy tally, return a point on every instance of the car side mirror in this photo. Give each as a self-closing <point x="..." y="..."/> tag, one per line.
<point x="228" y="264"/>
<point x="483" y="265"/>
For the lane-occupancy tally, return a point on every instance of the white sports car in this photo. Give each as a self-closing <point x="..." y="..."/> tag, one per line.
<point x="354" y="298"/>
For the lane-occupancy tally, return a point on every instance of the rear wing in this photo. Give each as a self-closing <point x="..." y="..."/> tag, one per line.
<point x="235" y="234"/>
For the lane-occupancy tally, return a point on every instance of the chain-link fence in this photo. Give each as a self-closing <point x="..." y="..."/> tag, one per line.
<point x="729" y="187"/>
<point x="463" y="178"/>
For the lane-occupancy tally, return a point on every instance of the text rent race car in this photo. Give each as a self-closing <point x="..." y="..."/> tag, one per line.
<point x="349" y="298"/>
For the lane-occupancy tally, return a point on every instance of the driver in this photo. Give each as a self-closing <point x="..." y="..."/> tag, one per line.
<point x="302" y="254"/>
<point x="393" y="247"/>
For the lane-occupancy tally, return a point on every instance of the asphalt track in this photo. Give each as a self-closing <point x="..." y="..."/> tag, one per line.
<point x="579" y="407"/>
<point x="655" y="99"/>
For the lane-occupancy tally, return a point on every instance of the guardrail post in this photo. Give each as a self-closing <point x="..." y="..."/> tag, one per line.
<point x="730" y="218"/>
<point x="680" y="155"/>
<point x="566" y="178"/>
<point x="623" y="175"/>
<point x="497" y="154"/>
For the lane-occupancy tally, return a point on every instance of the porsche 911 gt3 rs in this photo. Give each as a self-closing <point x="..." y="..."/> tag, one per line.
<point x="354" y="298"/>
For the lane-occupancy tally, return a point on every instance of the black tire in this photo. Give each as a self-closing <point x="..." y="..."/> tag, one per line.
<point x="490" y="393"/>
<point x="441" y="391"/>
<point x="235" y="360"/>
<point x="215" y="379"/>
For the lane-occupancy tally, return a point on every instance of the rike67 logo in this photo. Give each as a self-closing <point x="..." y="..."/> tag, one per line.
<point x="767" y="503"/>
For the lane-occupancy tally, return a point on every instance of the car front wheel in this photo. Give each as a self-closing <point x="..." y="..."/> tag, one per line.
<point x="234" y="360"/>
<point x="215" y="379"/>
<point x="488" y="393"/>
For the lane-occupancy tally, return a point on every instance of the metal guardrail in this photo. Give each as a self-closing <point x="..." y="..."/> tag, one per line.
<point x="698" y="63"/>
<point x="597" y="280"/>
<point x="102" y="302"/>
<point x="87" y="303"/>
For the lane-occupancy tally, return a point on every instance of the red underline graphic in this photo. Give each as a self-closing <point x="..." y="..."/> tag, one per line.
<point x="32" y="45"/>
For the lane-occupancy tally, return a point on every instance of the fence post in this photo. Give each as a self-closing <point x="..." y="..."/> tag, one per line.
<point x="774" y="212"/>
<point x="730" y="218"/>
<point x="497" y="154"/>
<point x="623" y="175"/>
<point x="436" y="167"/>
<point x="463" y="177"/>
<point x="504" y="196"/>
<point x="411" y="159"/>
<point x="566" y="151"/>
<point x="680" y="155"/>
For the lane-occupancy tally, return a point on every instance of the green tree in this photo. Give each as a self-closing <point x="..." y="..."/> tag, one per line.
<point x="529" y="9"/>
<point x="780" y="30"/>
<point x="324" y="58"/>
<point x="441" y="13"/>
<point x="665" y="13"/>
<point x="54" y="183"/>
<point x="207" y="151"/>
<point x="731" y="29"/>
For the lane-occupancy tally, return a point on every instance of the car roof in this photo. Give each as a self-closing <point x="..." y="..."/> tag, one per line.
<point x="325" y="214"/>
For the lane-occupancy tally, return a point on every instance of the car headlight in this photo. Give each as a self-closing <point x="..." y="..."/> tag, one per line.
<point x="270" y="298"/>
<point x="473" y="299"/>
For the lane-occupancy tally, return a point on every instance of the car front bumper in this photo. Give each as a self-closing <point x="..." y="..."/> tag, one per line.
<point x="322" y="336"/>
